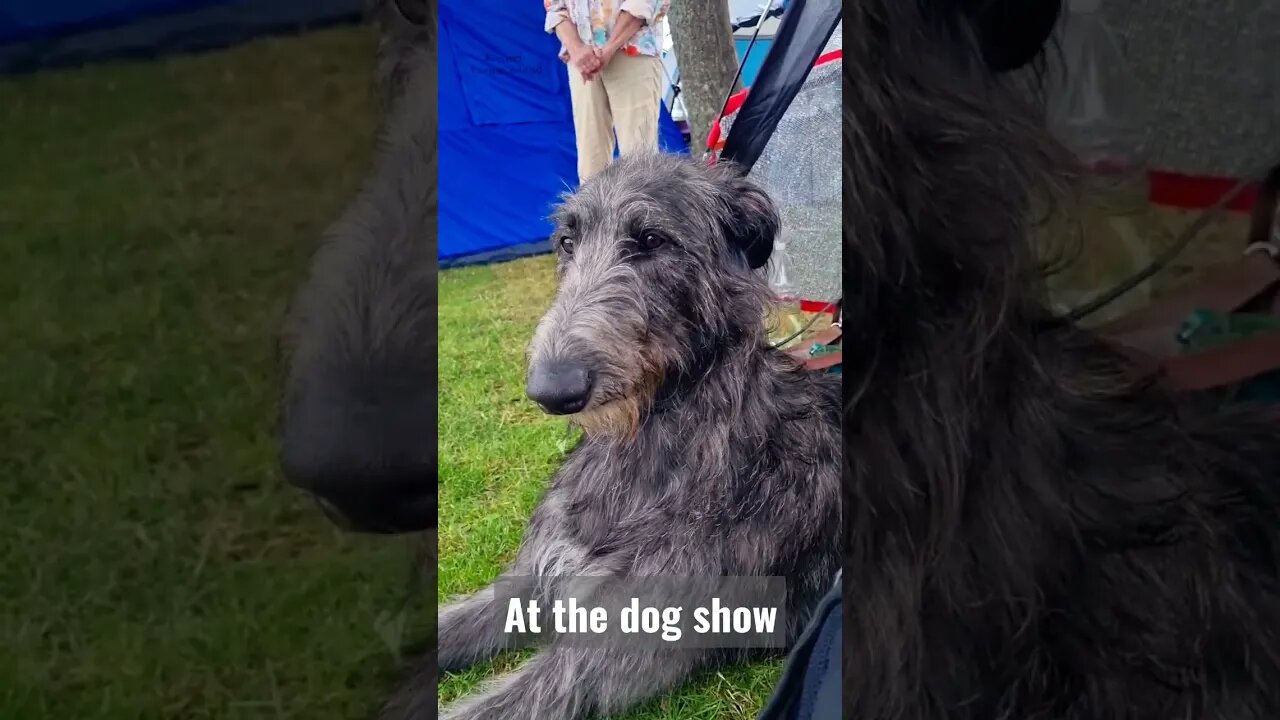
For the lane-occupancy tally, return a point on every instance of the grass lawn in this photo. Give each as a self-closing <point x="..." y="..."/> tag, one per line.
<point x="497" y="452"/>
<point x="154" y="217"/>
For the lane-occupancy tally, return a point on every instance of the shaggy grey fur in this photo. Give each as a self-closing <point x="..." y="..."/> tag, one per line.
<point x="359" y="404"/>
<point x="370" y="296"/>
<point x="358" y="411"/>
<point x="1034" y="529"/>
<point x="705" y="453"/>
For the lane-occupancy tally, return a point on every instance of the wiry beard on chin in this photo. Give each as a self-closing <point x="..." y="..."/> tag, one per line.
<point x="619" y="416"/>
<point x="616" y="419"/>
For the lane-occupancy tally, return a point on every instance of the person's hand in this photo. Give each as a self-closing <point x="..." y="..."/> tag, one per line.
<point x="585" y="60"/>
<point x="604" y="55"/>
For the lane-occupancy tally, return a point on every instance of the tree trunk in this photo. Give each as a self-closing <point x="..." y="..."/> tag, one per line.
<point x="703" y="38"/>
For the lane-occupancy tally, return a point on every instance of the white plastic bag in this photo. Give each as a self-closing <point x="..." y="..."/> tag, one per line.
<point x="1095" y="110"/>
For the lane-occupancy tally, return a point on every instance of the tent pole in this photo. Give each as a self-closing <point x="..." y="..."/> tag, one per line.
<point x="764" y="11"/>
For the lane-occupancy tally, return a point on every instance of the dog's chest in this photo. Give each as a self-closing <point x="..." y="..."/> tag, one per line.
<point x="613" y="500"/>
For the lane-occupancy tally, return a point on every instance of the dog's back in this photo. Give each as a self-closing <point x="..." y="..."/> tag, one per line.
<point x="1175" y="603"/>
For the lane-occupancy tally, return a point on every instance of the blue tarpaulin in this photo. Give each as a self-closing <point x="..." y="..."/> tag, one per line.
<point x="36" y="34"/>
<point x="506" y="131"/>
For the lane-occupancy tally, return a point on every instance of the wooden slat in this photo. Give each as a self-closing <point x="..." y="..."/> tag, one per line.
<point x="1223" y="289"/>
<point x="1224" y="366"/>
<point x="827" y="337"/>
<point x="823" y="362"/>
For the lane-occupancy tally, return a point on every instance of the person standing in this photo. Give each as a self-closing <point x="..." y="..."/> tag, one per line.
<point x="613" y="49"/>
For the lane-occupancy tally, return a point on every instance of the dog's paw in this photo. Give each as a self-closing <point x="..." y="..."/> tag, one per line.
<point x="464" y="711"/>
<point x="487" y="706"/>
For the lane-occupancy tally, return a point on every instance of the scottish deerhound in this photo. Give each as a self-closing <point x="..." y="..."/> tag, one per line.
<point x="1034" y="530"/>
<point x="705" y="452"/>
<point x="358" y="413"/>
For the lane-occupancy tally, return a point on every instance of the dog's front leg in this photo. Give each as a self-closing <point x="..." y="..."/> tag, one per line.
<point x="415" y="699"/>
<point x="573" y="683"/>
<point x="469" y="631"/>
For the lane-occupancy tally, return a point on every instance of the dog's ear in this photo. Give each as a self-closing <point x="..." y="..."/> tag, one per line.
<point x="753" y="219"/>
<point x="417" y="12"/>
<point x="393" y="13"/>
<point x="1012" y="33"/>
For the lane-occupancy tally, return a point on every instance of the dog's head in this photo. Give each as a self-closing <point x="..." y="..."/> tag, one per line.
<point x="656" y="259"/>
<point x="406" y="32"/>
<point x="358" y="412"/>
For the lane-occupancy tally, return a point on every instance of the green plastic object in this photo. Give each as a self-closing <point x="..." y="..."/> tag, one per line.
<point x="1208" y="329"/>
<point x="820" y="350"/>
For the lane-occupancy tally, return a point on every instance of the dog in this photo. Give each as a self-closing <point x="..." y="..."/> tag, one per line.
<point x="705" y="452"/>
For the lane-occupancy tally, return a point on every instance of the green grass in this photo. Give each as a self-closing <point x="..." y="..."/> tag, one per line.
<point x="497" y="452"/>
<point x="154" y="217"/>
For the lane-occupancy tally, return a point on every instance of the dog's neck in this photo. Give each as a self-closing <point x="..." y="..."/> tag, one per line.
<point x="761" y="383"/>
<point x="721" y="370"/>
<point x="717" y="381"/>
<point x="708" y="447"/>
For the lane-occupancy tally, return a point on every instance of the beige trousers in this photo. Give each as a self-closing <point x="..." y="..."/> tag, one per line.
<point x="625" y="97"/>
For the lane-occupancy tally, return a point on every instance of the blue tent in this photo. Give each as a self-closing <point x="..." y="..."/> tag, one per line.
<point x="746" y="16"/>
<point x="506" y="131"/>
<point x="38" y="34"/>
<point x="751" y="61"/>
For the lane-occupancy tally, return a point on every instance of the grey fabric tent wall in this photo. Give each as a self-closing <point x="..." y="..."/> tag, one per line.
<point x="1208" y="73"/>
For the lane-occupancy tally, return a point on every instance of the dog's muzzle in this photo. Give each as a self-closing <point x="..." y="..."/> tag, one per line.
<point x="559" y="387"/>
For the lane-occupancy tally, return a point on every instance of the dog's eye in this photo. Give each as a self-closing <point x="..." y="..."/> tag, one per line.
<point x="650" y="241"/>
<point x="566" y="244"/>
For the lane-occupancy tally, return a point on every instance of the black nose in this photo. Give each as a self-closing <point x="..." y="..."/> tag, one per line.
<point x="560" y="388"/>
<point x="366" y="451"/>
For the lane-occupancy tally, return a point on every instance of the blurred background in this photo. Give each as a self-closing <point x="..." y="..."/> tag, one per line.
<point x="157" y="209"/>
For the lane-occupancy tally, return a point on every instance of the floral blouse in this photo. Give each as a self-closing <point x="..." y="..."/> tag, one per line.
<point x="595" y="19"/>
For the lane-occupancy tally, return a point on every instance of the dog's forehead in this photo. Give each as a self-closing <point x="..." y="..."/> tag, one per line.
<point x="615" y="203"/>
<point x="635" y="194"/>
